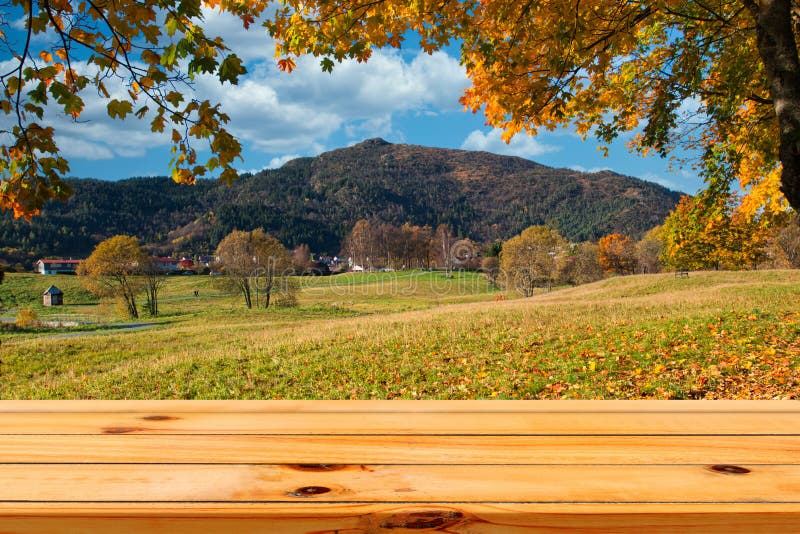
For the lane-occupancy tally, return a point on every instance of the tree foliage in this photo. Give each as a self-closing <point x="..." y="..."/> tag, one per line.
<point x="137" y="56"/>
<point x="531" y="259"/>
<point x="111" y="270"/>
<point x="710" y="233"/>
<point x="375" y="245"/>
<point x="723" y="77"/>
<point x="253" y="262"/>
<point x="649" y="251"/>
<point x="616" y="254"/>
<point x="719" y="76"/>
<point x="581" y="265"/>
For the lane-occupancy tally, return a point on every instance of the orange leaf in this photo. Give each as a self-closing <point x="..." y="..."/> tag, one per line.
<point x="286" y="65"/>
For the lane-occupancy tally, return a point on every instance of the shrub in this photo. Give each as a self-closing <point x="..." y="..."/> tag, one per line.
<point x="27" y="318"/>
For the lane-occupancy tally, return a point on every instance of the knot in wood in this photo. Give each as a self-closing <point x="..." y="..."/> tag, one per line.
<point x="309" y="491"/>
<point x="729" y="469"/>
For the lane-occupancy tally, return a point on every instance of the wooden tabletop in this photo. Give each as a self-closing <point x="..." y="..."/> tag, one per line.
<point x="399" y="466"/>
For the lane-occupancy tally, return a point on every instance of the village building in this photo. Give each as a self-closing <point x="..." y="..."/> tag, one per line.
<point x="186" y="264"/>
<point x="53" y="297"/>
<point x="167" y="264"/>
<point x="57" y="266"/>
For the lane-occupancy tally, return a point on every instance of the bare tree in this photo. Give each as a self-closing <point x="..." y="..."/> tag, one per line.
<point x="153" y="282"/>
<point x="253" y="262"/>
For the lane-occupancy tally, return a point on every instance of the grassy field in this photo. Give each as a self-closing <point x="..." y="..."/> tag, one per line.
<point x="421" y="335"/>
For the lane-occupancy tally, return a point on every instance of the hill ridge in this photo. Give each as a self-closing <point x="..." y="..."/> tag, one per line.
<point x="315" y="200"/>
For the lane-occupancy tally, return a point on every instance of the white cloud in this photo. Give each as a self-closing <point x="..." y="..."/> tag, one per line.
<point x="251" y="44"/>
<point x="72" y="147"/>
<point x="521" y="145"/>
<point x="278" y="113"/>
<point x="280" y="161"/>
<point x="95" y="136"/>
<point x="669" y="184"/>
<point x="581" y="168"/>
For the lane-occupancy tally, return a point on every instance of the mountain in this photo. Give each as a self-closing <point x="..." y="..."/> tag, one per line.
<point x="317" y="200"/>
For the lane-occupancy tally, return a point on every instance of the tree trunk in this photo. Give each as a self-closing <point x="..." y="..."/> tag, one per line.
<point x="268" y="282"/>
<point x="246" y="291"/>
<point x="778" y="50"/>
<point x="130" y="298"/>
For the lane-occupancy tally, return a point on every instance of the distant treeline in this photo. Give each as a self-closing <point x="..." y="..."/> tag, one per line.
<point x="316" y="201"/>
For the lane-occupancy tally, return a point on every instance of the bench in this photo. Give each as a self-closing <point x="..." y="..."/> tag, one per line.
<point x="681" y="274"/>
<point x="353" y="467"/>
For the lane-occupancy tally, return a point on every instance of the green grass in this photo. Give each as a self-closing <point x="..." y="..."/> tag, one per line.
<point x="421" y="335"/>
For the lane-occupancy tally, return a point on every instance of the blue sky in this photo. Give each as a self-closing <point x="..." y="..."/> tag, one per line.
<point x="402" y="96"/>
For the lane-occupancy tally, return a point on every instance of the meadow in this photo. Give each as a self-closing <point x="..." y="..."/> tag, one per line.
<point x="417" y="335"/>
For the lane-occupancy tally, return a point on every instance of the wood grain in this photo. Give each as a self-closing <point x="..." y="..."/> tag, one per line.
<point x="401" y="423"/>
<point x="463" y="519"/>
<point x="377" y="466"/>
<point x="388" y="406"/>
<point x="369" y="519"/>
<point x="399" y="449"/>
<point x="399" y="483"/>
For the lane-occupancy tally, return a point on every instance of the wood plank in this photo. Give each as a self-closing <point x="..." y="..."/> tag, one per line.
<point x="389" y="406"/>
<point x="388" y="449"/>
<point x="391" y="483"/>
<point x="380" y="518"/>
<point x="465" y="423"/>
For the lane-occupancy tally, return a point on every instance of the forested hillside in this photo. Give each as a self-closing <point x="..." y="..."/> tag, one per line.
<point x="317" y="200"/>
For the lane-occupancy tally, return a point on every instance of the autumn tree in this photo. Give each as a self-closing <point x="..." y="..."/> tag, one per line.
<point x="236" y="261"/>
<point x="581" y="265"/>
<point x="708" y="232"/>
<point x="530" y="260"/>
<point x="721" y="77"/>
<point x="111" y="270"/>
<point x="138" y="57"/>
<point x="253" y="262"/>
<point x="358" y="245"/>
<point x="273" y="264"/>
<point x="154" y="280"/>
<point x="301" y="258"/>
<point x="649" y="251"/>
<point x="387" y="240"/>
<point x="616" y="254"/>
<point x="443" y="240"/>
<point x="490" y="267"/>
<point x="416" y="242"/>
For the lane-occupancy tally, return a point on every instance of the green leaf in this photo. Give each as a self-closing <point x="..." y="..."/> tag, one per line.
<point x="230" y="69"/>
<point x="327" y="64"/>
<point x="169" y="55"/>
<point x="119" y="109"/>
<point x="12" y="85"/>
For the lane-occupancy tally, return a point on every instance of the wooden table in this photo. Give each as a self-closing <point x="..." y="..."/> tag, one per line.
<point x="372" y="466"/>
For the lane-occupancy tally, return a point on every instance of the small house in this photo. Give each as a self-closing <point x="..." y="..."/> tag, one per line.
<point x="57" y="266"/>
<point x="53" y="297"/>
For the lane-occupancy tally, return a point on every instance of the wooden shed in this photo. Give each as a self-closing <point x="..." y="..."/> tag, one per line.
<point x="53" y="297"/>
